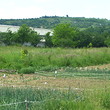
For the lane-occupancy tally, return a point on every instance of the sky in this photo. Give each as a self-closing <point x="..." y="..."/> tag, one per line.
<point x="16" y="9"/>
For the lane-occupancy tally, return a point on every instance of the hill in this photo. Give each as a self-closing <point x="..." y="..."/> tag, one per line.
<point x="51" y="21"/>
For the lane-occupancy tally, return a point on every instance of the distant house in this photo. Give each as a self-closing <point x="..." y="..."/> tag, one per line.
<point x="41" y="43"/>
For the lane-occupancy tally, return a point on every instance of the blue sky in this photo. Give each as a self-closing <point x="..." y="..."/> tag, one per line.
<point x="37" y="8"/>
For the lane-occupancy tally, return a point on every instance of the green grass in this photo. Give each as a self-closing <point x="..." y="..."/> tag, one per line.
<point x="68" y="63"/>
<point x="47" y="99"/>
<point x="51" y="58"/>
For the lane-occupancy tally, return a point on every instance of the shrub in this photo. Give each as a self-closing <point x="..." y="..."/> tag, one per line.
<point x="27" y="70"/>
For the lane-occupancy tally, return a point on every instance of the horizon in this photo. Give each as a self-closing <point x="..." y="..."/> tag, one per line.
<point x="52" y="16"/>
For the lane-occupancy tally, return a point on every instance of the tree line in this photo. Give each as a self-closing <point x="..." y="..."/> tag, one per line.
<point x="51" y="21"/>
<point x="64" y="35"/>
<point x="25" y="34"/>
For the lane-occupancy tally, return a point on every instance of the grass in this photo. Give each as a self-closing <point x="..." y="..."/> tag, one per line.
<point x="44" y="91"/>
<point x="48" y="99"/>
<point x="60" y="79"/>
<point x="51" y="58"/>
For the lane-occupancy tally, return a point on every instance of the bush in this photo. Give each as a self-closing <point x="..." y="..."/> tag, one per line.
<point x="27" y="70"/>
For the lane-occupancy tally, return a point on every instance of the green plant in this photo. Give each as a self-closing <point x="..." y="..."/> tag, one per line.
<point x="27" y="70"/>
<point x="45" y="99"/>
<point x="47" y="59"/>
<point x="106" y="100"/>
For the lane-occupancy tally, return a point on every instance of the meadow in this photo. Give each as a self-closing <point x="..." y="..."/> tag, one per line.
<point x="54" y="78"/>
<point x="16" y="58"/>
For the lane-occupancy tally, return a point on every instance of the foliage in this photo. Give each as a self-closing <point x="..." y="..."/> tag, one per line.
<point x="23" y="35"/>
<point x="50" y="58"/>
<point x="52" y="21"/>
<point x="48" y="39"/>
<point x="28" y="70"/>
<point x="26" y="34"/>
<point x="64" y="35"/>
<point x="107" y="41"/>
<point x="52" y="99"/>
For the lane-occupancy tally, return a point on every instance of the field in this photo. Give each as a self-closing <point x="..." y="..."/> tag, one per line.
<point x="15" y="58"/>
<point x="54" y="79"/>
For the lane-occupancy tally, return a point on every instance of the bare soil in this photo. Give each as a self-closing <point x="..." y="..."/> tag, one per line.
<point x="38" y="81"/>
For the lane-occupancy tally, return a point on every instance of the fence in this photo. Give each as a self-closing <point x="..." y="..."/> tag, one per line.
<point x="26" y="102"/>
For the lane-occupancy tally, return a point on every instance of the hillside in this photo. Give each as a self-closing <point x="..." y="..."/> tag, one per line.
<point x="51" y="21"/>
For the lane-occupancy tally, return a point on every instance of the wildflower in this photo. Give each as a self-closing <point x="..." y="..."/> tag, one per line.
<point x="45" y="82"/>
<point x="56" y="72"/>
<point x="24" y="53"/>
<point x="4" y="75"/>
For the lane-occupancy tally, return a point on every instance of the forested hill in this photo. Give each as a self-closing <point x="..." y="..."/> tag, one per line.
<point x="52" y="21"/>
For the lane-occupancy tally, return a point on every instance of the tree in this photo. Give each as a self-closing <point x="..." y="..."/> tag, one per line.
<point x="34" y="38"/>
<point x="48" y="39"/>
<point x="27" y="34"/>
<point x="64" y="36"/>
<point x="107" y="42"/>
<point x="23" y="34"/>
<point x="7" y="37"/>
<point x="83" y="39"/>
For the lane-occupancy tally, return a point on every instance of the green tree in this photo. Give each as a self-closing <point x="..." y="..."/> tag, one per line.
<point x="8" y="37"/>
<point x="23" y="34"/>
<point x="48" y="39"/>
<point x="27" y="34"/>
<point x="83" y="39"/>
<point x="107" y="42"/>
<point x="34" y="38"/>
<point x="64" y="36"/>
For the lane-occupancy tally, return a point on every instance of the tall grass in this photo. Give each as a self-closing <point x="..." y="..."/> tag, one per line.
<point x="12" y="58"/>
<point x="46" y="99"/>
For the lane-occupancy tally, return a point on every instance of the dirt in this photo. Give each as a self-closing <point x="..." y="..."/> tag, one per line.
<point x="104" y="66"/>
<point x="38" y="81"/>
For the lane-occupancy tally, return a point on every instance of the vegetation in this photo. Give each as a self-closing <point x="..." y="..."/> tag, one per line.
<point x="81" y="33"/>
<point x="64" y="35"/>
<point x="47" y="99"/>
<point x="60" y="78"/>
<point x="60" y="36"/>
<point x="24" y="35"/>
<point x="16" y="58"/>
<point x="52" y="21"/>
